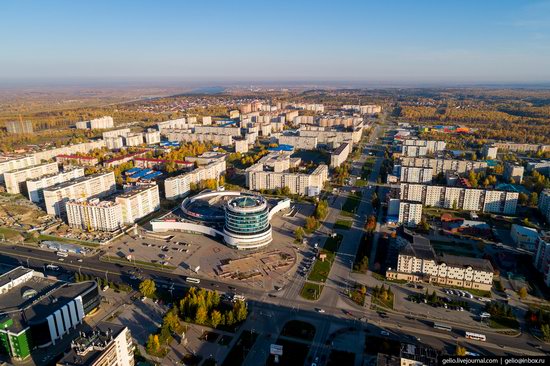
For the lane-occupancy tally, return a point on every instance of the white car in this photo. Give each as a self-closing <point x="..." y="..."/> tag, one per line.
<point x="384" y="333"/>
<point x="319" y="310"/>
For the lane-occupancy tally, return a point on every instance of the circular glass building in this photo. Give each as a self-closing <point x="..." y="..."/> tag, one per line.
<point x="247" y="222"/>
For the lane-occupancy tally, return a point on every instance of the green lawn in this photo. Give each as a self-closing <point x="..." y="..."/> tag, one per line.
<point x="343" y="224"/>
<point x="333" y="243"/>
<point x="68" y="241"/>
<point x="386" y="304"/>
<point x="351" y="204"/>
<point x="311" y="291"/>
<point x="10" y="234"/>
<point x="503" y="323"/>
<point x="321" y="269"/>
<point x="360" y="182"/>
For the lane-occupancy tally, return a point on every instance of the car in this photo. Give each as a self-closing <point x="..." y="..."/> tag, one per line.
<point x="132" y="277"/>
<point x="61" y="259"/>
<point x="384" y="333"/>
<point x="79" y="260"/>
<point x="319" y="310"/>
<point x="271" y="295"/>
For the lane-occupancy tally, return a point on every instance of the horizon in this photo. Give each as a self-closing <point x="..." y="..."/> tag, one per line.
<point x="352" y="42"/>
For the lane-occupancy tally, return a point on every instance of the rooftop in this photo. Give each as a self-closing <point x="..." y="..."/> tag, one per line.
<point x="12" y="274"/>
<point x="340" y="148"/>
<point x="137" y="190"/>
<point x="76" y="181"/>
<point x="459" y="261"/>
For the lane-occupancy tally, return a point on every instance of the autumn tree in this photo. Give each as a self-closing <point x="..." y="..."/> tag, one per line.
<point x="147" y="287"/>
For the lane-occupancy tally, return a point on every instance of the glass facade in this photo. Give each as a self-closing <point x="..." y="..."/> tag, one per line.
<point x="247" y="216"/>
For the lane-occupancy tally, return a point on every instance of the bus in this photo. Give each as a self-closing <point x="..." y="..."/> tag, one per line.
<point x="62" y="254"/>
<point x="440" y="326"/>
<point x="476" y="336"/>
<point x="192" y="280"/>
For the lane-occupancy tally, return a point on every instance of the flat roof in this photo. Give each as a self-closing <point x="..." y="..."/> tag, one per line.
<point x="75" y="181"/>
<point x="13" y="274"/>
<point x="340" y="148"/>
<point x="136" y="190"/>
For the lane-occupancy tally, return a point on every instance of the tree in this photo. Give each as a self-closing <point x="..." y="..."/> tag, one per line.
<point x="171" y="321"/>
<point x="215" y="318"/>
<point x="229" y="318"/>
<point x="460" y="351"/>
<point x="153" y="344"/>
<point x="201" y="315"/>
<point x="171" y="167"/>
<point x="533" y="199"/>
<point x="240" y="311"/>
<point x="545" y="329"/>
<point x="299" y="234"/>
<point x="522" y="198"/>
<point x="147" y="287"/>
<point x="311" y="224"/>
<point x="285" y="191"/>
<point x="522" y="292"/>
<point x="371" y="224"/>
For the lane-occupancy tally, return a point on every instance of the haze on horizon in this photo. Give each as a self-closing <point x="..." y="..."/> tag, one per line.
<point x="493" y="41"/>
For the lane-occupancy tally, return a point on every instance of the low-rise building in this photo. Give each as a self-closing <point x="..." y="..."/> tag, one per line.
<point x="15" y="180"/>
<point x="92" y="186"/>
<point x="417" y="262"/>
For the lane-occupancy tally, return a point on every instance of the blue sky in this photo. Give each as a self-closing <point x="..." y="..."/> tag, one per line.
<point x="466" y="41"/>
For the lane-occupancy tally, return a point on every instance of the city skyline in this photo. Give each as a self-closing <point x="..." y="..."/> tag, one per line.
<point x="217" y="42"/>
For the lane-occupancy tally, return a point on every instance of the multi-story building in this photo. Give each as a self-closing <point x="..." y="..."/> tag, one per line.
<point x="524" y="237"/>
<point x="189" y="136"/>
<point x="414" y="151"/>
<point x="363" y="109"/>
<point x="70" y="160"/>
<point x="121" y="132"/>
<point x="340" y="155"/>
<point x="241" y="146"/>
<point x="35" y="187"/>
<point x="107" y="344"/>
<point x="93" y="214"/>
<point x="179" y="186"/>
<point x="415" y="175"/>
<point x="152" y="136"/>
<point x="96" y="123"/>
<point x="82" y="148"/>
<point x="345" y="121"/>
<point x="15" y="180"/>
<point x="8" y="164"/>
<point x="510" y="146"/>
<point x="39" y="311"/>
<point x="178" y="124"/>
<point x="445" y="165"/>
<point x="489" y="151"/>
<point x="138" y="202"/>
<point x="541" y="166"/>
<point x="471" y="199"/>
<point x="133" y="139"/>
<point x="513" y="172"/>
<point x="272" y="172"/>
<point x="410" y="213"/>
<point x="299" y="142"/>
<point x="93" y="186"/>
<point x="223" y="130"/>
<point x="18" y="127"/>
<point x="431" y="146"/>
<point x="418" y="262"/>
<point x="541" y="258"/>
<point x="544" y="203"/>
<point x="330" y="136"/>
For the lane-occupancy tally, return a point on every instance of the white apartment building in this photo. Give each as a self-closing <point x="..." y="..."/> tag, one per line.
<point x="190" y="136"/>
<point x="410" y="213"/>
<point x="470" y="199"/>
<point x="414" y="151"/>
<point x="340" y="155"/>
<point x="152" y="136"/>
<point x="541" y="258"/>
<point x="241" y="146"/>
<point x="513" y="172"/>
<point x="179" y="186"/>
<point x="121" y="132"/>
<point x="544" y="204"/>
<point x="114" y="143"/>
<point x="8" y="164"/>
<point x="35" y="187"/>
<point x="107" y="344"/>
<point x="299" y="142"/>
<point x="307" y="120"/>
<point x="489" y="151"/>
<point x="96" y="123"/>
<point x="178" y="124"/>
<point x="133" y="139"/>
<point x="445" y="165"/>
<point x="218" y="130"/>
<point x="97" y="185"/>
<point x="94" y="215"/>
<point x="138" y="202"/>
<point x="271" y="172"/>
<point x="418" y="262"/>
<point x="416" y="175"/>
<point x="363" y="109"/>
<point x="15" y="180"/>
<point x="84" y="147"/>
<point x="430" y="145"/>
<point x="524" y="237"/>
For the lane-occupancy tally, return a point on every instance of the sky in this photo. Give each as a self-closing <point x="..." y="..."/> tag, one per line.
<point x="408" y="41"/>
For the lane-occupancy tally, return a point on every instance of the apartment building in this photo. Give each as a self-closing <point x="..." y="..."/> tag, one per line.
<point x="414" y="151"/>
<point x="307" y="120"/>
<point x="340" y="155"/>
<point x="298" y="142"/>
<point x="524" y="237"/>
<point x="18" y="127"/>
<point x="69" y="160"/>
<point x="8" y="163"/>
<point x="121" y="132"/>
<point x="138" y="202"/>
<point x="218" y="130"/>
<point x="179" y="186"/>
<point x="513" y="172"/>
<point x="82" y="148"/>
<point x="410" y="213"/>
<point x="430" y="145"/>
<point x="93" y="186"/>
<point x="114" y="143"/>
<point x="417" y="262"/>
<point x="15" y="180"/>
<point x="461" y="198"/>
<point x="489" y="151"/>
<point x="133" y="139"/>
<point x="107" y="344"/>
<point x="35" y="187"/>
<point x="544" y="203"/>
<point x="94" y="215"/>
<point x="190" y="136"/>
<point x="510" y="146"/>
<point x="272" y="172"/>
<point x="345" y="121"/>
<point x="178" y="124"/>
<point x="445" y="165"/>
<point x="363" y="109"/>
<point x="96" y="123"/>
<point x="541" y="258"/>
<point x="331" y="137"/>
<point x="415" y="175"/>
<point x="152" y="136"/>
<point x="241" y="146"/>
